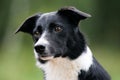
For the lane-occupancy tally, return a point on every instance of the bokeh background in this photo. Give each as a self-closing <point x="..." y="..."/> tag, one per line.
<point x="102" y="32"/>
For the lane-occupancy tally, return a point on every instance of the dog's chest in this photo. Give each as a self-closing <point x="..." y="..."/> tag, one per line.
<point x="61" y="69"/>
<point x="65" y="69"/>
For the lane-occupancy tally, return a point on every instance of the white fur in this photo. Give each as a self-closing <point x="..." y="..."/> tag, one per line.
<point x="65" y="69"/>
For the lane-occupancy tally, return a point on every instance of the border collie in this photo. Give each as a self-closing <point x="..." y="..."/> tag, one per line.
<point x="60" y="48"/>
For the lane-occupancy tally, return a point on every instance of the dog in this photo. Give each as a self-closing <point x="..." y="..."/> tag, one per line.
<point x="61" y="50"/>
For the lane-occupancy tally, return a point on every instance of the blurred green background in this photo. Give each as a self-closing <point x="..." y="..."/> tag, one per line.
<point x="102" y="32"/>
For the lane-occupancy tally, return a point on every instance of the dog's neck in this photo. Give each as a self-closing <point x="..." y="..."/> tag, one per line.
<point x="61" y="69"/>
<point x="65" y="69"/>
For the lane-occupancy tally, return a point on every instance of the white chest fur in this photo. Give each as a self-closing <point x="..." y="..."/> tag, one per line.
<point x="65" y="69"/>
<point x="61" y="69"/>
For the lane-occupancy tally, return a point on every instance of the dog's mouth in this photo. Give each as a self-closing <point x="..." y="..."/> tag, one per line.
<point x="46" y="57"/>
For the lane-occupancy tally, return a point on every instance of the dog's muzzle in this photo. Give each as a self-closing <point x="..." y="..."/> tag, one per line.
<point x="42" y="54"/>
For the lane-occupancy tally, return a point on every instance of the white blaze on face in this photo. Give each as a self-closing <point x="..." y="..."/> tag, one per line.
<point x="44" y="42"/>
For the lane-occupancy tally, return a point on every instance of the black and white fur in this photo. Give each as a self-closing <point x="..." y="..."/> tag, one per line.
<point x="60" y="48"/>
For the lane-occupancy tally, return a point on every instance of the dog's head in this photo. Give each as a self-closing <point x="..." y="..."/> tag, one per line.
<point x="56" y="33"/>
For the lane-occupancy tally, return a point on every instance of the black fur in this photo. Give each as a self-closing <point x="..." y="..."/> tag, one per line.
<point x="96" y="72"/>
<point x="69" y="42"/>
<point x="28" y="25"/>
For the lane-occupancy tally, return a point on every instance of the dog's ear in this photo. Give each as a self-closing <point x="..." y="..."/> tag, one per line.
<point x="28" y="25"/>
<point x="72" y="14"/>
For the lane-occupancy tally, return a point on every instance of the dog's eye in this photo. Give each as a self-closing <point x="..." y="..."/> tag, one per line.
<point x="58" y="28"/>
<point x="36" y="34"/>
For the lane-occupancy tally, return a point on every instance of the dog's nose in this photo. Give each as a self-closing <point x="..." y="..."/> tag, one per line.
<point x="40" y="48"/>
